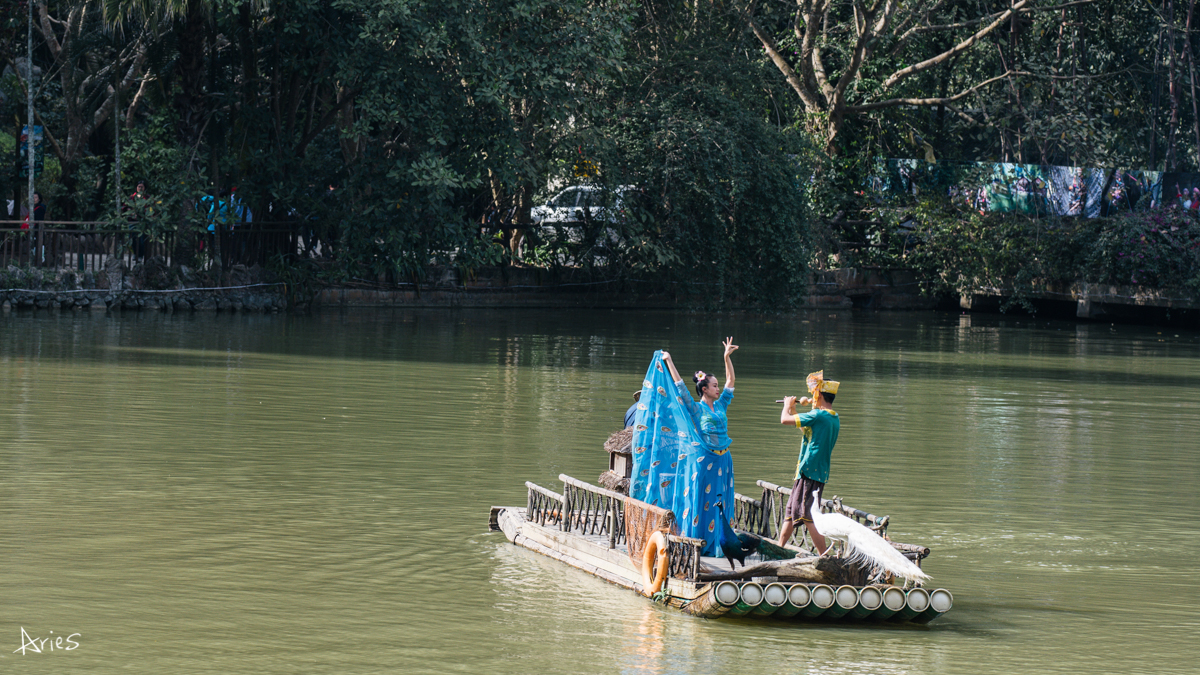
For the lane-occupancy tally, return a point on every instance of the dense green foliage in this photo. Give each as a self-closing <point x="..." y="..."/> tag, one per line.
<point x="724" y="199"/>
<point x="1100" y="83"/>
<point x="960" y="252"/>
<point x="385" y="130"/>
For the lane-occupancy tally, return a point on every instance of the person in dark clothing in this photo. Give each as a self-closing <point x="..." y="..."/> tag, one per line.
<point x="629" y="414"/>
<point x="136" y="200"/>
<point x="39" y="211"/>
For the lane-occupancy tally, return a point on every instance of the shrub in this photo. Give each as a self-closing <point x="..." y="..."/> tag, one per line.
<point x="961" y="251"/>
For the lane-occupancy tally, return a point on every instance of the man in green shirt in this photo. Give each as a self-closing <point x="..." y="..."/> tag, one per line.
<point x="820" y="427"/>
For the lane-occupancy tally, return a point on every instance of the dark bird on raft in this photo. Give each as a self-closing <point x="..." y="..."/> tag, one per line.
<point x="735" y="546"/>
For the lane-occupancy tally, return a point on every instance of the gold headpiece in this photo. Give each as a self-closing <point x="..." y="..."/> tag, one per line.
<point x="816" y="382"/>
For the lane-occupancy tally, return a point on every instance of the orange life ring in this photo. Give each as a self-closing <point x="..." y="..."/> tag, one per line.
<point x="654" y="554"/>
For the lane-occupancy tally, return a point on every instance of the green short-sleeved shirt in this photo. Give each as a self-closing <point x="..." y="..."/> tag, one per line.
<point x="820" y="429"/>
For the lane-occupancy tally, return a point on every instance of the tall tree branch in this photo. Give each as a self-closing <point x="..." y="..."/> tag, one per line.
<point x="893" y="102"/>
<point x="957" y="49"/>
<point x="789" y="74"/>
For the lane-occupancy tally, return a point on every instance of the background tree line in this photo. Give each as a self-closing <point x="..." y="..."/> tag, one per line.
<point x="390" y="127"/>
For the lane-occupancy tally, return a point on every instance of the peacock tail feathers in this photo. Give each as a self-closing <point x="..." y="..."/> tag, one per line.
<point x="863" y="546"/>
<point x="868" y="549"/>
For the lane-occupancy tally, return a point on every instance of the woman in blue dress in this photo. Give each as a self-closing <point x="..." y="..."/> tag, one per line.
<point x="706" y="474"/>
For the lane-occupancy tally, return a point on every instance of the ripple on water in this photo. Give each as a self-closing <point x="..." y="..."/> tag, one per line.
<point x="309" y="494"/>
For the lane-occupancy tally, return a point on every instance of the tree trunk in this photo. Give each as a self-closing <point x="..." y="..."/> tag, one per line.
<point x="1191" y="66"/>
<point x="1172" y="89"/>
<point x="190" y="101"/>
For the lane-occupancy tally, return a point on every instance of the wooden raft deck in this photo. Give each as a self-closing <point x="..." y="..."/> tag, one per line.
<point x="585" y="527"/>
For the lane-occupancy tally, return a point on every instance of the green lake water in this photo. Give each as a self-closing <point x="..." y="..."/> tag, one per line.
<point x="309" y="494"/>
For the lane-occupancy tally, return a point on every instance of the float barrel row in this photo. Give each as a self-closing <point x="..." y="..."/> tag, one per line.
<point x="870" y="599"/>
<point x="940" y="602"/>
<point x="894" y="600"/>
<point x="774" y="598"/>
<point x="819" y="600"/>
<point x="798" y="597"/>
<point x="750" y="596"/>
<point x="822" y="599"/>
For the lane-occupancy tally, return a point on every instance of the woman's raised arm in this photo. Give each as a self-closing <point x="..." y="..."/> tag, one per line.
<point x="729" y="349"/>
<point x="671" y="365"/>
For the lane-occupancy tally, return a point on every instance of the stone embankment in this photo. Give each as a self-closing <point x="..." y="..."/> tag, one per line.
<point x="512" y="288"/>
<point x="151" y="287"/>
<point x="868" y="289"/>
<point x="155" y="286"/>
<point x="1101" y="302"/>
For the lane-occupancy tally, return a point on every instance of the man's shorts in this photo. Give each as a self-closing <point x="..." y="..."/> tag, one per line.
<point x="801" y="501"/>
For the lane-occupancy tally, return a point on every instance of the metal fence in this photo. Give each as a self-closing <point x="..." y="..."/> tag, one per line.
<point x="88" y="246"/>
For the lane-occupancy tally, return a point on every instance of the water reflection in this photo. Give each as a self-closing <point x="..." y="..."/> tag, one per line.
<point x="643" y="650"/>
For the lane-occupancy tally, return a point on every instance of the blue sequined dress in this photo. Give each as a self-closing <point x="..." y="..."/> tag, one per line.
<point x="681" y="457"/>
<point x="707" y="477"/>
<point x="662" y="433"/>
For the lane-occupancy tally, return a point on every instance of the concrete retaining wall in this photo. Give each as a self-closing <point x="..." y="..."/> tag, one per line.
<point x="248" y="290"/>
<point x="837" y="289"/>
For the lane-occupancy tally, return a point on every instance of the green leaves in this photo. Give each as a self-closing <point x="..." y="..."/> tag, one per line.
<point x="721" y="215"/>
<point x="960" y="252"/>
<point x="435" y="173"/>
<point x="384" y="128"/>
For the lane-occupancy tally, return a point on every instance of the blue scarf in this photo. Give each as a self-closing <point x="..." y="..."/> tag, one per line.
<point x="663" y="433"/>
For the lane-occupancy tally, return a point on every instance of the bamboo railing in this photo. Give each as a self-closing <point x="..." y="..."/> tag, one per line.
<point x="750" y="516"/>
<point x="543" y="505"/>
<point x="589" y="510"/>
<point x="586" y="509"/>
<point x="765" y="516"/>
<point x="779" y="495"/>
<point x="683" y="557"/>
<point x="593" y="510"/>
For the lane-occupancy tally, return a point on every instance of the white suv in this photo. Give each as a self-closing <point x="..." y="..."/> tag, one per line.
<point x="578" y="203"/>
<point x="565" y="216"/>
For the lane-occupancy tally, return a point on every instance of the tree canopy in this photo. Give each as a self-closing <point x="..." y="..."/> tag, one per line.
<point x="393" y="127"/>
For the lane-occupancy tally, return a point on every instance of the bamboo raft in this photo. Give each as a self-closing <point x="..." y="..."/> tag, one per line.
<point x="605" y="533"/>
